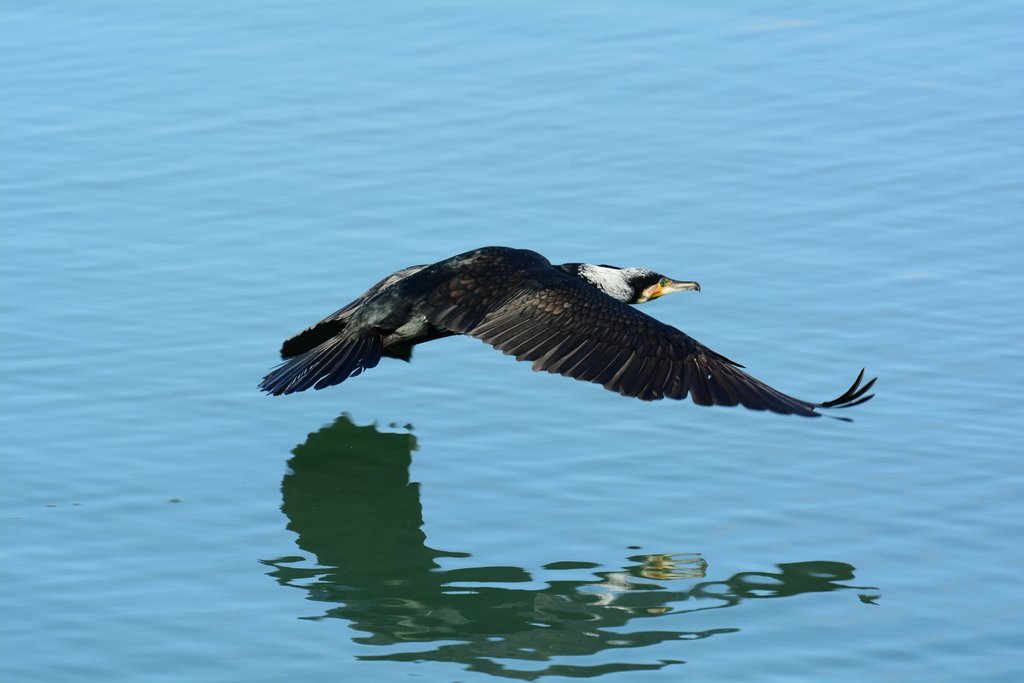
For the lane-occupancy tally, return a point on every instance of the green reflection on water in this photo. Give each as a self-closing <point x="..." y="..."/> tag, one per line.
<point x="349" y="499"/>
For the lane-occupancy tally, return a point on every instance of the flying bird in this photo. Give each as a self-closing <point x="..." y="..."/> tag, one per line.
<point x="573" y="319"/>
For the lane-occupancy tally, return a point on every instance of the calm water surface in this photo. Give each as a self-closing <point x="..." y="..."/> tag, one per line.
<point x="185" y="184"/>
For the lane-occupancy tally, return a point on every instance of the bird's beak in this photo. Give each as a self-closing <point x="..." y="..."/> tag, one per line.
<point x="680" y="286"/>
<point x="656" y="290"/>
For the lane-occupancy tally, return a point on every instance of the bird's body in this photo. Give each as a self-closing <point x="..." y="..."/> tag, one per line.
<point x="571" y="319"/>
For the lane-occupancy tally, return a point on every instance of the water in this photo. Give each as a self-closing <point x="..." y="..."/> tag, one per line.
<point x="184" y="185"/>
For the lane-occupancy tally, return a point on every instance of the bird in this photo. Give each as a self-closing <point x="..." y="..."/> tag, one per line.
<point x="574" y="319"/>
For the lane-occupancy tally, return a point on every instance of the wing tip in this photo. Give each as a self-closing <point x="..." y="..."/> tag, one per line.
<point x="854" y="396"/>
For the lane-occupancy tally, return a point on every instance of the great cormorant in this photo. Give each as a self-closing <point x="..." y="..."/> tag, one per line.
<point x="571" y="319"/>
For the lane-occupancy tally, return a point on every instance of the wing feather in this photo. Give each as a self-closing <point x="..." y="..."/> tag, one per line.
<point x="332" y="362"/>
<point x="677" y="382"/>
<point x="334" y="324"/>
<point x="572" y="365"/>
<point x="608" y="365"/>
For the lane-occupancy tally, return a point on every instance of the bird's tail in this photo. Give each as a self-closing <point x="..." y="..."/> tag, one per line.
<point x="331" y="362"/>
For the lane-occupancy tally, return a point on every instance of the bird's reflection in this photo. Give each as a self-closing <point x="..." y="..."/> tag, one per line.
<point x="349" y="499"/>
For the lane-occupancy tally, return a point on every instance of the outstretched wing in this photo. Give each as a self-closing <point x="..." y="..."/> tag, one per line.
<point x="565" y="326"/>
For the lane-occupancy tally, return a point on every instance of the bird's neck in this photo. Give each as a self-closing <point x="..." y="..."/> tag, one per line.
<point x="611" y="281"/>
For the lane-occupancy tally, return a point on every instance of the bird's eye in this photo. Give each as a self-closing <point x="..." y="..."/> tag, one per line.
<point x="663" y="282"/>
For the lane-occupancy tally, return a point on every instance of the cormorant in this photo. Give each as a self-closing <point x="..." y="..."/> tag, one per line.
<point x="571" y="319"/>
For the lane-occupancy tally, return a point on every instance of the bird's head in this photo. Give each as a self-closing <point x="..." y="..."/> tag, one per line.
<point x="628" y="285"/>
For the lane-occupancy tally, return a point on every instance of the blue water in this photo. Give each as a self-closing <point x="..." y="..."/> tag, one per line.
<point x="183" y="185"/>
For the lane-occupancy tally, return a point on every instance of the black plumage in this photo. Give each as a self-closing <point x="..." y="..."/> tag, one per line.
<point x="571" y="319"/>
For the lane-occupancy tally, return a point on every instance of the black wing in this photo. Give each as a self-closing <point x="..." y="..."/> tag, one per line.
<point x="323" y="354"/>
<point x="329" y="363"/>
<point x="565" y="326"/>
<point x="331" y="326"/>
